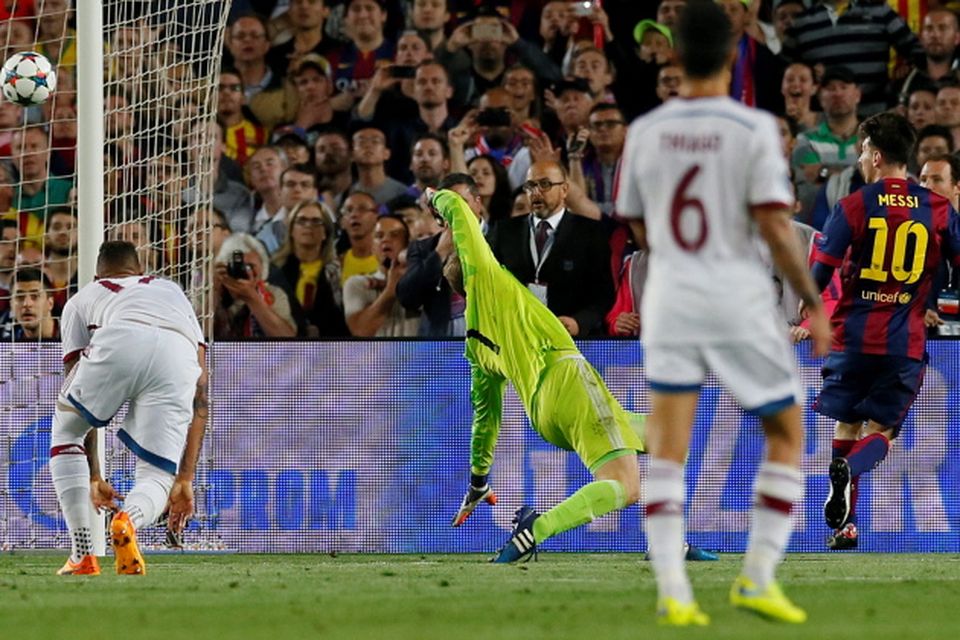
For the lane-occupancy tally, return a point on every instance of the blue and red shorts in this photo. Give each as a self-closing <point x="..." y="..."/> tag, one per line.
<point x="858" y="387"/>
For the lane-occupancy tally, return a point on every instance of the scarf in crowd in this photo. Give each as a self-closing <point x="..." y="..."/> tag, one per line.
<point x="503" y="156"/>
<point x="742" y="88"/>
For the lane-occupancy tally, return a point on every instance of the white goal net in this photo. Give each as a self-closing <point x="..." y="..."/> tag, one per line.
<point x="161" y="62"/>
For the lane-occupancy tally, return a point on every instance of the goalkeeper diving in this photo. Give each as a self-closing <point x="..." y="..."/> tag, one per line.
<point x="512" y="336"/>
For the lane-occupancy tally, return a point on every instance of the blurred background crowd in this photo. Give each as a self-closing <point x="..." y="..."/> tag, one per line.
<point x="332" y="117"/>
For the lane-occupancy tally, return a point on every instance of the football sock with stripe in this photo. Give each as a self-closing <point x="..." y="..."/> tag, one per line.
<point x="71" y="480"/>
<point x="663" y="506"/>
<point x="868" y="453"/>
<point x="589" y="503"/>
<point x="777" y="488"/>
<point x="149" y="494"/>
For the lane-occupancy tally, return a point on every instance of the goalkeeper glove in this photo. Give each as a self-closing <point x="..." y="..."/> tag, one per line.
<point x="474" y="496"/>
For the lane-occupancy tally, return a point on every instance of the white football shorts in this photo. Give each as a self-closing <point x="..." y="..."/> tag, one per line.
<point x="761" y="375"/>
<point x="156" y="369"/>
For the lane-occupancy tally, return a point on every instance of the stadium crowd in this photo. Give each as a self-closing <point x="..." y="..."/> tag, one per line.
<point x="332" y="118"/>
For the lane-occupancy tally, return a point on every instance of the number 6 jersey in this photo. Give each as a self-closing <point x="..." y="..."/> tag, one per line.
<point x="692" y="169"/>
<point x="889" y="238"/>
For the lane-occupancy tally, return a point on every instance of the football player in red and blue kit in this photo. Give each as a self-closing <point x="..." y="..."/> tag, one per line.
<point x="888" y="239"/>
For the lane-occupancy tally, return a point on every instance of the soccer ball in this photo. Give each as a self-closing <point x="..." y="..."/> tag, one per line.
<point x="28" y="78"/>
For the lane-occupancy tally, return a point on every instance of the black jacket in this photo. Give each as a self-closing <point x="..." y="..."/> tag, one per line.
<point x="325" y="314"/>
<point x="424" y="287"/>
<point x="576" y="271"/>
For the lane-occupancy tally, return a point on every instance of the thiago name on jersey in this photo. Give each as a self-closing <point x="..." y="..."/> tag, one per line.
<point x="690" y="143"/>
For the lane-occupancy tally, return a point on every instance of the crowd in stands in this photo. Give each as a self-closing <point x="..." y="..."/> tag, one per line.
<point x="333" y="116"/>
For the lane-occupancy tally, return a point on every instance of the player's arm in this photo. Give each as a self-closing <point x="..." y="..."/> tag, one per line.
<point x="773" y="223"/>
<point x="474" y="251"/>
<point x="832" y="246"/>
<point x="486" y="396"/>
<point x="181" y="494"/>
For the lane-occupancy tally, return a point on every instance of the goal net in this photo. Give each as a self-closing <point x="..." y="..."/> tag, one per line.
<point x="161" y="60"/>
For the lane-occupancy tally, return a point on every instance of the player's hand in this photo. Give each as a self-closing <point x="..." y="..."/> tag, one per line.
<point x="932" y="319"/>
<point x="819" y="327"/>
<point x="103" y="495"/>
<point x="179" y="505"/>
<point x="473" y="497"/>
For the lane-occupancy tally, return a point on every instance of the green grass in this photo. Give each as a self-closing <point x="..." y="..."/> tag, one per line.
<point x="587" y="597"/>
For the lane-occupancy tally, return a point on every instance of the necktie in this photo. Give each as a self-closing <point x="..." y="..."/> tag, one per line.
<point x="543" y="232"/>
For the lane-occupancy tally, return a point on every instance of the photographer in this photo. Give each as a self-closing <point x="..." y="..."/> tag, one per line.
<point x="491" y="131"/>
<point x="245" y="304"/>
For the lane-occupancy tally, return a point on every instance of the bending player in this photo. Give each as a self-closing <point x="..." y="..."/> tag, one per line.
<point x="899" y="232"/>
<point x="132" y="337"/>
<point x="700" y="178"/>
<point x="512" y="336"/>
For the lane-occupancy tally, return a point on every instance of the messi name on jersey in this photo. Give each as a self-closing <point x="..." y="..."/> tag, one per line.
<point x="898" y="200"/>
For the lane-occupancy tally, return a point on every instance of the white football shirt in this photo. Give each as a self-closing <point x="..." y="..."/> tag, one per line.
<point x="691" y="170"/>
<point x="147" y="300"/>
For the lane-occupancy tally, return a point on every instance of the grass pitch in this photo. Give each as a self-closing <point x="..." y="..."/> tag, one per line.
<point x="576" y="596"/>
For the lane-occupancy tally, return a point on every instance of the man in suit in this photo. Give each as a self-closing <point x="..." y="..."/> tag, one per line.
<point x="563" y="258"/>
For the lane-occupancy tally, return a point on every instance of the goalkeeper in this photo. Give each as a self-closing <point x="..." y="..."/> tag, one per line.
<point x="512" y="336"/>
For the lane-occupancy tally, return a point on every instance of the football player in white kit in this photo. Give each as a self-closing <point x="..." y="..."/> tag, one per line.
<point x="701" y="176"/>
<point x="127" y="336"/>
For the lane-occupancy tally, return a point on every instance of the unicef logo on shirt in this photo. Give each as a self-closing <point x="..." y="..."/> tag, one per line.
<point x="904" y="298"/>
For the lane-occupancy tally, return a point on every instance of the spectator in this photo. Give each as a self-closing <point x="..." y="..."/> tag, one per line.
<point x="948" y="109"/>
<point x="591" y="64"/>
<point x="488" y="39"/>
<point x="830" y="147"/>
<point x="608" y="132"/>
<point x="566" y="265"/>
<point x="306" y="35"/>
<point x="11" y="117"/>
<point x="922" y="105"/>
<point x="314" y="89"/>
<point x="246" y="40"/>
<point x="940" y="37"/>
<point x="364" y="21"/>
<point x="784" y="13"/>
<point x="263" y="171"/>
<point x="836" y="187"/>
<point x="668" y="12"/>
<point x="521" y="203"/>
<point x="932" y="140"/>
<point x="756" y="72"/>
<point x="120" y="125"/>
<point x="229" y="196"/>
<point x="557" y="26"/>
<point x="419" y="221"/>
<point x="669" y="79"/>
<point x="293" y="142"/>
<point x="429" y="163"/>
<point x="60" y="256"/>
<point x="206" y="231"/>
<point x="941" y="174"/>
<point x="244" y="134"/>
<point x="788" y="135"/>
<point x="428" y="18"/>
<point x="521" y="84"/>
<point x="859" y="35"/>
<point x="249" y="306"/>
<point x="137" y="233"/>
<point x="63" y="139"/>
<point x="423" y="285"/>
<point x="493" y="185"/>
<point x="8" y="260"/>
<point x="309" y="262"/>
<point x="298" y="183"/>
<point x="388" y="94"/>
<point x="370" y="302"/>
<point x="358" y="216"/>
<point x="574" y="102"/>
<point x="623" y="319"/>
<point x="798" y="88"/>
<point x="31" y="308"/>
<point x="431" y="94"/>
<point x="37" y="192"/>
<point x="370" y="155"/>
<point x="654" y="42"/>
<point x="495" y="133"/>
<point x="331" y="155"/>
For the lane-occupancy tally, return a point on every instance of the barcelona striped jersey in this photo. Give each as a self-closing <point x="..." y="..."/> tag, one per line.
<point x="889" y="239"/>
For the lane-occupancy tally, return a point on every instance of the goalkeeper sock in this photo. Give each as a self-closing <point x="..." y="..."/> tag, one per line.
<point x="71" y="480"/>
<point x="588" y="503"/>
<point x="148" y="498"/>
<point x="778" y="487"/>
<point x="663" y="506"/>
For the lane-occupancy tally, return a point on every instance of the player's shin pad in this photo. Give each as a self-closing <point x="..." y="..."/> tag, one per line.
<point x="473" y="497"/>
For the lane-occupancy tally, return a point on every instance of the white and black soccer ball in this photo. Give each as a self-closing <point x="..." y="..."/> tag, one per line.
<point x="28" y="78"/>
